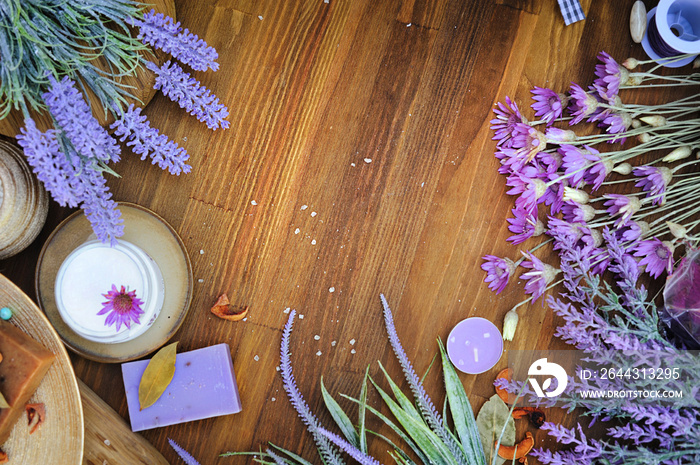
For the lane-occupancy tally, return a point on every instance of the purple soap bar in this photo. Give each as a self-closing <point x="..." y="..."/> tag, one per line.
<point x="204" y="386"/>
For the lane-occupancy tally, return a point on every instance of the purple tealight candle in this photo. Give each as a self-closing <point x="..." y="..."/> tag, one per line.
<point x="475" y="345"/>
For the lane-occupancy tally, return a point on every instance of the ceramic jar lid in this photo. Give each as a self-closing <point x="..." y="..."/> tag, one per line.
<point x="87" y="275"/>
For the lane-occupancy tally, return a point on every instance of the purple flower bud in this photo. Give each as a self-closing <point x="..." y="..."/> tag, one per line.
<point x="162" y="32"/>
<point x="193" y="97"/>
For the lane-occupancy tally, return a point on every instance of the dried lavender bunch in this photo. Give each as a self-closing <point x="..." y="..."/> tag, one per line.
<point x="50" y="46"/>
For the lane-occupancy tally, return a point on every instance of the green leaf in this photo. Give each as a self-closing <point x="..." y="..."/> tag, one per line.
<point x="425" y="438"/>
<point x="494" y="418"/>
<point x="395" y="428"/>
<point x="361" y="413"/>
<point x="401" y="398"/>
<point x="157" y="376"/>
<point x="3" y="402"/>
<point x="341" y="419"/>
<point x="461" y="411"/>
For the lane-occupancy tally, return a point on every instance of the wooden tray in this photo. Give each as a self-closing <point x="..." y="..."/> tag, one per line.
<point x="60" y="437"/>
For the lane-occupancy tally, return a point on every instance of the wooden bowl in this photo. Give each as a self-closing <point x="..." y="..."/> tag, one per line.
<point x="24" y="203"/>
<point x="60" y="437"/>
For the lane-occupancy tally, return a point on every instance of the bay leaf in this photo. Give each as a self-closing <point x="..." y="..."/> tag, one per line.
<point x="3" y="402"/>
<point x="157" y="376"/>
<point x="490" y="421"/>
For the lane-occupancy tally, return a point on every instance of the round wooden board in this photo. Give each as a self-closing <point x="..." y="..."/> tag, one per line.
<point x="158" y="239"/>
<point x="142" y="82"/>
<point x="60" y="437"/>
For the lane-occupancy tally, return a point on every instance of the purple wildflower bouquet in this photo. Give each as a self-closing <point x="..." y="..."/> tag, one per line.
<point x="608" y="245"/>
<point x="49" y="67"/>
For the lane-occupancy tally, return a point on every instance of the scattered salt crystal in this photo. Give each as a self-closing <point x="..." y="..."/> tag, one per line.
<point x="200" y="280"/>
<point x="325" y="1"/>
<point x="277" y="368"/>
<point x="253" y="202"/>
<point x="331" y="289"/>
<point x="304" y="207"/>
<point x="313" y="241"/>
<point x="313" y="214"/>
<point x="333" y="343"/>
<point x="301" y="317"/>
<point x="260" y="18"/>
<point x="297" y="230"/>
<point x="318" y="353"/>
<point x="256" y="358"/>
<point x="352" y="164"/>
<point x="107" y="442"/>
<point x="368" y="160"/>
<point x="286" y="310"/>
<point x="352" y="342"/>
<point x="273" y="399"/>
<point x="317" y="337"/>
<point x="408" y="25"/>
<point x="201" y="251"/>
<point x="353" y="351"/>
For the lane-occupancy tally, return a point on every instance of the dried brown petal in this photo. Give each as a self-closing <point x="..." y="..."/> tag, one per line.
<point x="38" y="411"/>
<point x="3" y="457"/>
<point x="222" y="308"/>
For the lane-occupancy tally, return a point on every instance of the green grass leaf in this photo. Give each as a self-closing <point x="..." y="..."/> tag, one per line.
<point x="340" y="417"/>
<point x="461" y="411"/>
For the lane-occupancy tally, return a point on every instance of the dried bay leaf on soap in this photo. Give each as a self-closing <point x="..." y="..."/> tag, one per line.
<point x="157" y="376"/>
<point x="494" y="414"/>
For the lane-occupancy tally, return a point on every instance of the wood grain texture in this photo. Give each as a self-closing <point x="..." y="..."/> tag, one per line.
<point x="359" y="161"/>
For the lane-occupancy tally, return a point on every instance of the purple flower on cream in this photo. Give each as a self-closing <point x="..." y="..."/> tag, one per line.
<point x="121" y="307"/>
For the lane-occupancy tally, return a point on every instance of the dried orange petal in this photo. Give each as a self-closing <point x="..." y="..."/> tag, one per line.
<point x="38" y="411"/>
<point x="505" y="396"/>
<point x="222" y="308"/>
<point x="3" y="457"/>
<point x="519" y="450"/>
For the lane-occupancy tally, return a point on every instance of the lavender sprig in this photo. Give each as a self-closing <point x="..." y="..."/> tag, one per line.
<point x="425" y="404"/>
<point x="184" y="455"/>
<point x="162" y="32"/>
<point x="325" y="447"/>
<point x="73" y="115"/>
<point x="190" y="94"/>
<point x="348" y="448"/>
<point x="146" y="141"/>
<point x="72" y="180"/>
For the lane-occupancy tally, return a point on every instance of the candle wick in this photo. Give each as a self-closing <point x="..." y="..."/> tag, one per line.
<point x="476" y="355"/>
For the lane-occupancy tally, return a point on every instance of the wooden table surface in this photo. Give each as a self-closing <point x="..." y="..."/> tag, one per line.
<point x="359" y="161"/>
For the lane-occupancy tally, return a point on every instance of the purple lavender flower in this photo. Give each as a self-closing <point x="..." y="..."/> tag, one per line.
<point x="184" y="455"/>
<point x="189" y="93"/>
<point x="325" y="447"/>
<point x="162" y="32"/>
<point x="655" y="181"/>
<point x="560" y="136"/>
<point x="524" y="225"/>
<point x="610" y="76"/>
<point x="498" y="272"/>
<point x="352" y="451"/>
<point x="72" y="180"/>
<point x="146" y="141"/>
<point x="622" y="206"/>
<point x="656" y="255"/>
<point x="528" y="141"/>
<point x="73" y="115"/>
<point x="425" y="404"/>
<point x="583" y="104"/>
<point x="540" y="276"/>
<point x="507" y="116"/>
<point x="577" y="213"/>
<point x="548" y="104"/>
<point x="616" y="122"/>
